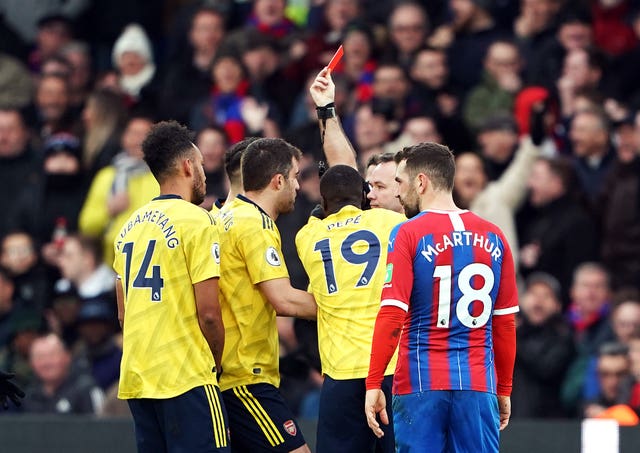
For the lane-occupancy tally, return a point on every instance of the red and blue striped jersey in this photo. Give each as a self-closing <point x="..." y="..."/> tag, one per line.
<point x="451" y="271"/>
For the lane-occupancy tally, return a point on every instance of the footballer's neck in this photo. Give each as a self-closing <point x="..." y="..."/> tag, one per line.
<point x="172" y="187"/>
<point x="266" y="199"/>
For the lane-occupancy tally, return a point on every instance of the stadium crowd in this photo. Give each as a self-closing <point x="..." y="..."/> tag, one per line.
<point x="538" y="99"/>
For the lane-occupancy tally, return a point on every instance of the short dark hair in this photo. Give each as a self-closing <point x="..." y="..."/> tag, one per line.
<point x="263" y="159"/>
<point x="233" y="158"/>
<point x="562" y="168"/>
<point x="434" y="160"/>
<point x="90" y="245"/>
<point x="341" y="184"/>
<point x="613" y="348"/>
<point x="166" y="142"/>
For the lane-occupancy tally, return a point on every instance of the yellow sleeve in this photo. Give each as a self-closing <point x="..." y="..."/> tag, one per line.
<point x="202" y="248"/>
<point x="94" y="216"/>
<point x="262" y="254"/>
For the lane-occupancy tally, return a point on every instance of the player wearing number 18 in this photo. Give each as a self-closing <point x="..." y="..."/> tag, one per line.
<point x="449" y="300"/>
<point x="344" y="255"/>
<point x="167" y="257"/>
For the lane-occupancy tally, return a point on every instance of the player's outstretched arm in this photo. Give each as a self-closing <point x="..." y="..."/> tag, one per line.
<point x="287" y="300"/>
<point x="210" y="316"/>
<point x="337" y="147"/>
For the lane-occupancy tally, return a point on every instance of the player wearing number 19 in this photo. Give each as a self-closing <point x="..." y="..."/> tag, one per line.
<point x="449" y="300"/>
<point x="167" y="257"/>
<point x="344" y="255"/>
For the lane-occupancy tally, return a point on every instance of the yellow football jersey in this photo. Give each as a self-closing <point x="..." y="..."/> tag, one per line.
<point x="250" y="254"/>
<point x="217" y="206"/>
<point x="344" y="256"/>
<point x="164" y="248"/>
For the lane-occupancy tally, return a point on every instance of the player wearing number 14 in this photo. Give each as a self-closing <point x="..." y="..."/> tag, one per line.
<point x="167" y="258"/>
<point x="449" y="301"/>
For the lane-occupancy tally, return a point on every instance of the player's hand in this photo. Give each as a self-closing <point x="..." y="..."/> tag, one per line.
<point x="323" y="90"/>
<point x="9" y="390"/>
<point x="504" y="407"/>
<point x="376" y="403"/>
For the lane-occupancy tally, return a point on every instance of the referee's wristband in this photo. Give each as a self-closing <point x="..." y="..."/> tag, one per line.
<point x="326" y="112"/>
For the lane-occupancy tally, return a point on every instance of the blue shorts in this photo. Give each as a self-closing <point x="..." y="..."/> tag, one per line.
<point x="441" y="421"/>
<point x="195" y="421"/>
<point x="342" y="423"/>
<point x="260" y="421"/>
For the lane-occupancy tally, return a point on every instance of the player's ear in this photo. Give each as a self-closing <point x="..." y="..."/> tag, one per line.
<point x="422" y="183"/>
<point x="277" y="181"/>
<point x="187" y="167"/>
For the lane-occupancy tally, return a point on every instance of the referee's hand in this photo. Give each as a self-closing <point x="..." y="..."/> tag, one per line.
<point x="376" y="403"/>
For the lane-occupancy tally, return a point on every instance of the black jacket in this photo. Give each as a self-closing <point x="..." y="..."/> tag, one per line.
<point x="542" y="357"/>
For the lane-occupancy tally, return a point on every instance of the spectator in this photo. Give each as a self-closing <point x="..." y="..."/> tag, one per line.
<point x="626" y="67"/>
<point x="268" y="16"/>
<point x="98" y="346"/>
<point x="26" y="325"/>
<point x="420" y="129"/>
<point x="371" y="131"/>
<point x="619" y="209"/>
<point x="501" y="82"/>
<point x="18" y="255"/>
<point x="498" y="141"/>
<point x="52" y="108"/>
<point x="321" y="45"/>
<point x="611" y="30"/>
<point x="358" y="64"/>
<point x="269" y="84"/>
<point x="132" y="55"/>
<point x="467" y="38"/>
<point x="83" y="272"/>
<point x="18" y="161"/>
<point x="441" y="99"/>
<point x="574" y="32"/>
<point x="103" y="117"/>
<point x="59" y="388"/>
<point x="391" y="94"/>
<point x="54" y="32"/>
<point x="213" y="142"/>
<point x="545" y="348"/>
<point x="119" y="189"/>
<point x="561" y="235"/>
<point x="79" y="58"/>
<point x="187" y="79"/>
<point x="593" y="151"/>
<point x="54" y="199"/>
<point x="590" y="306"/>
<point x="582" y="71"/>
<point x="534" y="25"/>
<point x="408" y="31"/>
<point x="614" y="375"/>
<point x="224" y="106"/>
<point x="15" y="83"/>
<point x="496" y="201"/>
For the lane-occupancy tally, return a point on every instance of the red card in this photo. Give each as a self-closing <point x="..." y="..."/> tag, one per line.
<point x="336" y="58"/>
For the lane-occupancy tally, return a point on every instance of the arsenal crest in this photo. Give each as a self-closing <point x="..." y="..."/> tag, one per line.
<point x="290" y="427"/>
